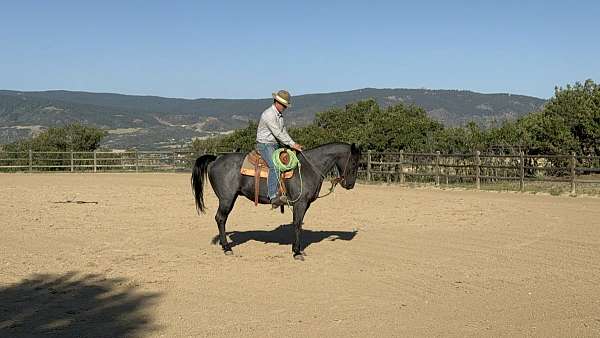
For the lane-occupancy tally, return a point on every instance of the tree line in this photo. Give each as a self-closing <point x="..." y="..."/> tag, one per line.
<point x="72" y="137"/>
<point x="568" y="122"/>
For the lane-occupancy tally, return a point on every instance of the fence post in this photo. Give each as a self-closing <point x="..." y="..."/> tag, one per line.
<point x="30" y="160"/>
<point x="437" y="167"/>
<point x="388" y="175"/>
<point x="369" y="166"/>
<point x="521" y="171"/>
<point x="95" y="161"/>
<point x="137" y="159"/>
<point x="401" y="166"/>
<point x="174" y="161"/>
<point x="573" y="176"/>
<point x="71" y="160"/>
<point x="447" y="174"/>
<point x="477" y="170"/>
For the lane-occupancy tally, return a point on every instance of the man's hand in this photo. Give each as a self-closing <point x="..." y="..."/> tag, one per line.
<point x="297" y="147"/>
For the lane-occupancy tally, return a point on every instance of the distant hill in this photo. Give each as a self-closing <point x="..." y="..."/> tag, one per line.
<point x="154" y="122"/>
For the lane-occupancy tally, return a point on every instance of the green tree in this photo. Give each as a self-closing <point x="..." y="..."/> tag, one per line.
<point x="72" y="137"/>
<point x="578" y="107"/>
<point x="569" y="122"/>
<point x="510" y="137"/>
<point x="451" y="140"/>
<point x="349" y="124"/>
<point x="311" y="136"/>
<point x="240" y="140"/>
<point x="401" y="126"/>
<point x="546" y="134"/>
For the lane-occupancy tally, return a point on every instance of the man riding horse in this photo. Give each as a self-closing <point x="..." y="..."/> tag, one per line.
<point x="228" y="182"/>
<point x="271" y="130"/>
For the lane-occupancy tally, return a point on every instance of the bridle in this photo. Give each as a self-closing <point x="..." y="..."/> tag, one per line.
<point x="334" y="181"/>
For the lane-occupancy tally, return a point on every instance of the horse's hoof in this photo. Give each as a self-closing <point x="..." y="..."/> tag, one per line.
<point x="228" y="253"/>
<point x="299" y="257"/>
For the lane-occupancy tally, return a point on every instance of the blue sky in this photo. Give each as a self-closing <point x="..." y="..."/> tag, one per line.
<point x="247" y="49"/>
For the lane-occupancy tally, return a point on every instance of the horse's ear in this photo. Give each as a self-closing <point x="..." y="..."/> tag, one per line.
<point x="353" y="148"/>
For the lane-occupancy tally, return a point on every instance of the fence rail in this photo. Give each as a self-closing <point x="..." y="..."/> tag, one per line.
<point x="478" y="169"/>
<point x="473" y="169"/>
<point x="96" y="161"/>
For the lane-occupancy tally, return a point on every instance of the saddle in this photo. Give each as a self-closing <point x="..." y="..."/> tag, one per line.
<point x="254" y="165"/>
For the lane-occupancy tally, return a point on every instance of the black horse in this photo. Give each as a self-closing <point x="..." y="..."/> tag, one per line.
<point x="228" y="183"/>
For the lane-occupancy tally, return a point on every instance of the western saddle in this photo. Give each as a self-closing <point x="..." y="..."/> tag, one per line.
<point x="254" y="165"/>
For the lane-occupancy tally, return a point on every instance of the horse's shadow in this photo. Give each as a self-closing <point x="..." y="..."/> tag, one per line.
<point x="284" y="235"/>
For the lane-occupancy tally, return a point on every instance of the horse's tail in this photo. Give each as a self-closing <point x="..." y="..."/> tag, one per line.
<point x="198" y="177"/>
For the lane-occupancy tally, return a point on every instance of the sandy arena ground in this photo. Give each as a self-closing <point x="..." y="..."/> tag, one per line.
<point x="382" y="261"/>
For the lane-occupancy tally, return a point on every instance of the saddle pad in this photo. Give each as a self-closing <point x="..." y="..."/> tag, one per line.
<point x="248" y="170"/>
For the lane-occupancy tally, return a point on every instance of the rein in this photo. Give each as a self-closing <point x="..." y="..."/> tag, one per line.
<point x="334" y="181"/>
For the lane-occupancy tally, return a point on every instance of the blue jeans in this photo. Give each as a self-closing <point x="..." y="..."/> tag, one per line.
<point x="266" y="151"/>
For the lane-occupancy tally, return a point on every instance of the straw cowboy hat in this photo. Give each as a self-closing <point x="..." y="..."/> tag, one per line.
<point x="283" y="97"/>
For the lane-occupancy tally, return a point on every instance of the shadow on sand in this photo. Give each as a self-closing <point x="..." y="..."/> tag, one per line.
<point x="74" y="305"/>
<point x="284" y="235"/>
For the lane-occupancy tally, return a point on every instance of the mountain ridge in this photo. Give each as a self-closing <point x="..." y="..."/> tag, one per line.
<point x="155" y="121"/>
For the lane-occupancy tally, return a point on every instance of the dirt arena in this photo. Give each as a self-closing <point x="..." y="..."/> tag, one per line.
<point x="382" y="261"/>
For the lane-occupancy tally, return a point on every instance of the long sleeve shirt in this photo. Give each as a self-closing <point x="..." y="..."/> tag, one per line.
<point x="271" y="128"/>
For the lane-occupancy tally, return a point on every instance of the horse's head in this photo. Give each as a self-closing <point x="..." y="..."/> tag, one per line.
<point x="348" y="167"/>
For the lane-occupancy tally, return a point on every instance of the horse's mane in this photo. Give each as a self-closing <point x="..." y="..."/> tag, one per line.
<point x="329" y="144"/>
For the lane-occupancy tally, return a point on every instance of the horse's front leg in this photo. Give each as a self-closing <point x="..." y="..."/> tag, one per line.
<point x="299" y="211"/>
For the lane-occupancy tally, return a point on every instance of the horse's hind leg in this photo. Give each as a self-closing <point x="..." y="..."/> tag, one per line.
<point x="225" y="206"/>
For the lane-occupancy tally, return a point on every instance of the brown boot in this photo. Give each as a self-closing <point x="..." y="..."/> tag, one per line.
<point x="279" y="201"/>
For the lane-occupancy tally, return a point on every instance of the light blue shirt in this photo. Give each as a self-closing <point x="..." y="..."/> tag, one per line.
<point x="271" y="128"/>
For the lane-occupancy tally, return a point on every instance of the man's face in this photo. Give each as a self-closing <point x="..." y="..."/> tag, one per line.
<point x="280" y="107"/>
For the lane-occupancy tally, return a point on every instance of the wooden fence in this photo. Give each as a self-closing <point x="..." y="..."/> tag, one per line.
<point x="401" y="167"/>
<point x="478" y="169"/>
<point x="97" y="161"/>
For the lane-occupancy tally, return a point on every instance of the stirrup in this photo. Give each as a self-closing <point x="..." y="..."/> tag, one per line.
<point x="279" y="201"/>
